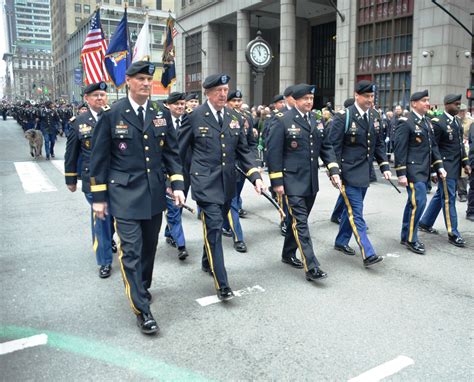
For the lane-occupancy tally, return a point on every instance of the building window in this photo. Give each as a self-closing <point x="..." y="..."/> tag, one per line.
<point x="87" y="9"/>
<point x="384" y="45"/>
<point x="183" y="3"/>
<point x="139" y="3"/>
<point x="193" y="62"/>
<point x="131" y="3"/>
<point x="77" y="8"/>
<point x="159" y="4"/>
<point x="118" y="2"/>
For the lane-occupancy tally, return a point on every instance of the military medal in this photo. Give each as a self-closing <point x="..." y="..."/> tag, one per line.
<point x="449" y="130"/>
<point x="234" y="124"/>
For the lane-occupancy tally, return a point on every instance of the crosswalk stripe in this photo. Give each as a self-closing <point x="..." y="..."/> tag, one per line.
<point x="33" y="178"/>
<point x="59" y="164"/>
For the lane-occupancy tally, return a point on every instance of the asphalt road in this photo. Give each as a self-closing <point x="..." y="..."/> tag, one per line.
<point x="281" y="327"/>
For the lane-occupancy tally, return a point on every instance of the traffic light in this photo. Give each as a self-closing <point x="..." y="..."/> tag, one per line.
<point x="470" y="93"/>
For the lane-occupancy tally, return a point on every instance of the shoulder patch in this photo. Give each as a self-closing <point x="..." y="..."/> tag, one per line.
<point x="106" y="108"/>
<point x="72" y="119"/>
<point x="280" y="115"/>
<point x="189" y="110"/>
<point x="342" y="111"/>
<point x="435" y="119"/>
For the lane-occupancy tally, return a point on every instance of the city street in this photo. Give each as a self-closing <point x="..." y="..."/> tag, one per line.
<point x="413" y="310"/>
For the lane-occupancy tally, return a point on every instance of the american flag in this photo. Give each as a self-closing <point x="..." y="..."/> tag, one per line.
<point x="93" y="53"/>
<point x="174" y="32"/>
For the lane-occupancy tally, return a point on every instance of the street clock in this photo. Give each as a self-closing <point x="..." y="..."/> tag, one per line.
<point x="259" y="52"/>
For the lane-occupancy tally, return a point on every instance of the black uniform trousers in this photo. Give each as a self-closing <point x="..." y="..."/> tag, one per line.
<point x="137" y="248"/>
<point x="297" y="230"/>
<point x="213" y="216"/>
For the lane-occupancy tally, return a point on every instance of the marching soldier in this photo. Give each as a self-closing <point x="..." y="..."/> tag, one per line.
<point x="416" y="157"/>
<point x="192" y="101"/>
<point x="79" y="143"/>
<point x="49" y="122"/>
<point x="356" y="142"/>
<point x="295" y="142"/>
<point x="131" y="145"/>
<point x="449" y="137"/>
<point x="174" y="232"/>
<point x="217" y="139"/>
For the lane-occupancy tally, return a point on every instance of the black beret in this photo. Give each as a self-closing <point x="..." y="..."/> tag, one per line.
<point x="234" y="94"/>
<point x="175" y="97"/>
<point x="215" y="80"/>
<point x="300" y="90"/>
<point x="349" y="102"/>
<point x="451" y="98"/>
<point x="144" y="67"/>
<point x="364" y="86"/>
<point x="278" y="98"/>
<point x="191" y="96"/>
<point x="288" y="91"/>
<point x="93" y="87"/>
<point x="83" y="105"/>
<point x="419" y="95"/>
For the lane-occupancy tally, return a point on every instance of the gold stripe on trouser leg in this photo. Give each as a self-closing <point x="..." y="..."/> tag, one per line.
<point x="350" y="214"/>
<point x="446" y="207"/>
<point x="295" y="233"/>
<point x="208" y="249"/>
<point x="231" y="223"/>
<point x="412" y="217"/>
<point x="124" y="276"/>
<point x="96" y="241"/>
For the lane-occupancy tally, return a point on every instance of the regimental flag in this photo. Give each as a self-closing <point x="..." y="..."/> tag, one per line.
<point x="169" y="71"/>
<point x="93" y="52"/>
<point x="141" y="50"/>
<point x="118" y="55"/>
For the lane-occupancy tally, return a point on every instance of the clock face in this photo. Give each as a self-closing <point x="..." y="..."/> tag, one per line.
<point x="260" y="54"/>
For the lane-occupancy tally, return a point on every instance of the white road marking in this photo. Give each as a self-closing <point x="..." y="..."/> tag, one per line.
<point x="59" y="164"/>
<point x="23" y="343"/>
<point x="392" y="255"/>
<point x="209" y="300"/>
<point x="384" y="370"/>
<point x="33" y="178"/>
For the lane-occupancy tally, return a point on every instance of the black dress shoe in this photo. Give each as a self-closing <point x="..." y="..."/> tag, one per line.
<point x="416" y="247"/>
<point x="226" y="232"/>
<point x="283" y="229"/>
<point x="182" y="253"/>
<point x="345" y="249"/>
<point x="425" y="228"/>
<point x="292" y="261"/>
<point x="462" y="198"/>
<point x="315" y="274"/>
<point x="369" y="261"/>
<point x="335" y="220"/>
<point x="147" y="323"/>
<point x="104" y="271"/>
<point x="171" y="241"/>
<point x="458" y="241"/>
<point x="206" y="270"/>
<point x="114" y="246"/>
<point x="225" y="294"/>
<point x="240" y="246"/>
<point x="404" y="242"/>
<point x="242" y="213"/>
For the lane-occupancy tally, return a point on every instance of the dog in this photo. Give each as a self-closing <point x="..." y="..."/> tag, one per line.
<point x="35" y="139"/>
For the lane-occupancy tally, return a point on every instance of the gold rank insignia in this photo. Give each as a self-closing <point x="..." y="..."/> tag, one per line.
<point x="87" y="144"/>
<point x="162" y="142"/>
<point x="106" y="108"/>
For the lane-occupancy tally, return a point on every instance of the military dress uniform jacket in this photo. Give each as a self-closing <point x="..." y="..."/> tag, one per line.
<point x="416" y="151"/>
<point x="215" y="151"/>
<point x="357" y="146"/>
<point x="449" y="138"/>
<point x="293" y="151"/>
<point x="79" y="140"/>
<point x="127" y="160"/>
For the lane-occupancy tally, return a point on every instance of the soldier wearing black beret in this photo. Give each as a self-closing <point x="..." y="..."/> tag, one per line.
<point x="79" y="144"/>
<point x="416" y="157"/>
<point x="192" y="101"/>
<point x="131" y="144"/>
<point x="356" y="143"/>
<point x="216" y="136"/>
<point x="449" y="137"/>
<point x="295" y="142"/>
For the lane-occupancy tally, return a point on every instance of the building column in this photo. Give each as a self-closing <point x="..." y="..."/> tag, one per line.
<point x="287" y="43"/>
<point x="210" y="44"/>
<point x="243" y="68"/>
